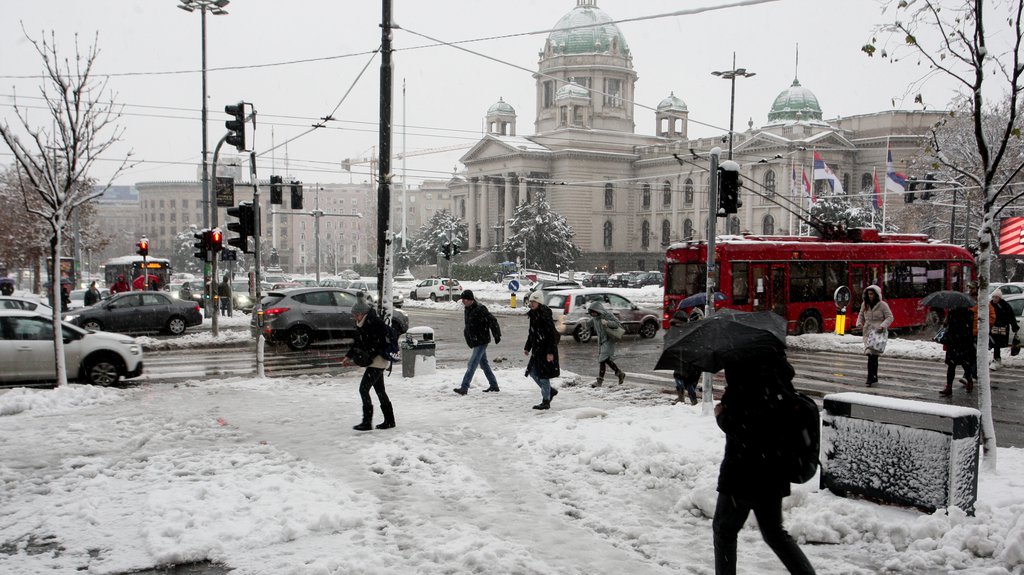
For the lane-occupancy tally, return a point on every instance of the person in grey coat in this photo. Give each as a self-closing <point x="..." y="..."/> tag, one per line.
<point x="602" y="320"/>
<point x="875" y="317"/>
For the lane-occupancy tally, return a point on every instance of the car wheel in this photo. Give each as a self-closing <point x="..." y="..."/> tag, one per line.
<point x="582" y="333"/>
<point x="648" y="329"/>
<point x="810" y="322"/>
<point x="92" y="325"/>
<point x="176" y="325"/>
<point x="433" y="297"/>
<point x="299" y="338"/>
<point x="104" y="370"/>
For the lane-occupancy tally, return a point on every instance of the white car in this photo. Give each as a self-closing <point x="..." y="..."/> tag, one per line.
<point x="436" y="288"/>
<point x="369" y="287"/>
<point x="1010" y="288"/>
<point x="24" y="303"/>
<point x="26" y="351"/>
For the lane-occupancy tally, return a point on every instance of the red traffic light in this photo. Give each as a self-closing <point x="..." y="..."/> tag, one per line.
<point x="215" y="240"/>
<point x="143" y="246"/>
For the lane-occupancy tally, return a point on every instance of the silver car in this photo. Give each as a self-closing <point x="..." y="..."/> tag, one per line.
<point x="569" y="308"/>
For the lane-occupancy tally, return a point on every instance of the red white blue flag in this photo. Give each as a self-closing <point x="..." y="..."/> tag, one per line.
<point x="823" y="172"/>
<point x="894" y="181"/>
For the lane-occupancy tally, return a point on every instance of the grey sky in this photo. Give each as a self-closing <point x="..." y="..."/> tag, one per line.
<point x="447" y="90"/>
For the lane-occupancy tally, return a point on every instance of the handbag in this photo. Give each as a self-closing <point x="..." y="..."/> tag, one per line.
<point x="615" y="332"/>
<point x="876" y="341"/>
<point x="1015" y="346"/>
<point x="940" y="336"/>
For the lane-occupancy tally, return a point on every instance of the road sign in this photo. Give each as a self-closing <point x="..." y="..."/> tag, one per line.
<point x="842" y="297"/>
<point x="513" y="286"/>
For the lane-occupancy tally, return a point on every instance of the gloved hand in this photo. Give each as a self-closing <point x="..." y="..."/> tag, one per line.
<point x="497" y="340"/>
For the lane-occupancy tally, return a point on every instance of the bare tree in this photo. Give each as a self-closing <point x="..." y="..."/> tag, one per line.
<point x="53" y="158"/>
<point x="952" y="39"/>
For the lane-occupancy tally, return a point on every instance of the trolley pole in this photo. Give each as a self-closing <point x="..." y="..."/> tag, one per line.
<point x="384" y="237"/>
<point x="708" y="403"/>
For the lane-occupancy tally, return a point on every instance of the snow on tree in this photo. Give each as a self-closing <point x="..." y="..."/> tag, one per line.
<point x="543" y="235"/>
<point x="54" y="154"/>
<point x="443" y="227"/>
<point x="952" y="39"/>
<point x="839" y="210"/>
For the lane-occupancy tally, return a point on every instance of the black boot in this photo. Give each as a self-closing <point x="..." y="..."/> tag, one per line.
<point x="389" y="416"/>
<point x="693" y="396"/>
<point x="364" y="426"/>
<point x="546" y="404"/>
<point x="554" y="392"/>
<point x="598" y="383"/>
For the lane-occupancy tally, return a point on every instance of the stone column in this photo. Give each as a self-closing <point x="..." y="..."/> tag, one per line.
<point x="471" y="213"/>
<point x="522" y="189"/>
<point x="485" y="219"/>
<point x="509" y="208"/>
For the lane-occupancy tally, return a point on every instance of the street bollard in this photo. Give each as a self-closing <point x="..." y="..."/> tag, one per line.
<point x="512" y="303"/>
<point x="841" y="322"/>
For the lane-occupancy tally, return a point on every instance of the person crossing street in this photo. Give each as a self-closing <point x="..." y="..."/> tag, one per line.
<point x="480" y="325"/>
<point x="542" y="347"/>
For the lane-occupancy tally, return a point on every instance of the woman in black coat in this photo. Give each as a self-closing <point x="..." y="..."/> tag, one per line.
<point x="1005" y="322"/>
<point x="542" y="347"/>
<point x="961" y="348"/>
<point x="750" y="477"/>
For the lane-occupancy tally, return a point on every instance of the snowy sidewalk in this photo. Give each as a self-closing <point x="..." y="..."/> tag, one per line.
<point x="267" y="477"/>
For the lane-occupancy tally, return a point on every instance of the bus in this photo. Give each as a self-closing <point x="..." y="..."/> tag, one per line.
<point x="796" y="276"/>
<point x="131" y="268"/>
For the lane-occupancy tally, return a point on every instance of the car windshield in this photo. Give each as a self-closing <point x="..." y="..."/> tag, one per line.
<point x="556" y="300"/>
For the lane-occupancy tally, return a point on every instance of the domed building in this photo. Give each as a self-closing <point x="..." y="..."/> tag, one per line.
<point x="629" y="195"/>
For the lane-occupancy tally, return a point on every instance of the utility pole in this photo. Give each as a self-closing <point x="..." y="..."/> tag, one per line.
<point x="708" y="406"/>
<point x="384" y="260"/>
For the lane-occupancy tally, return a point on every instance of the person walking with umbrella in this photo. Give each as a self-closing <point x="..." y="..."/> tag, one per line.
<point x="686" y="375"/>
<point x="542" y="347"/>
<point x="1005" y="321"/>
<point x="603" y="320"/>
<point x="874" y="318"/>
<point x="961" y="348"/>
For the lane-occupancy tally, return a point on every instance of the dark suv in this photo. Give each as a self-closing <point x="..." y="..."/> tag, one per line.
<point x="301" y="316"/>
<point x="596" y="280"/>
<point x="646" y="279"/>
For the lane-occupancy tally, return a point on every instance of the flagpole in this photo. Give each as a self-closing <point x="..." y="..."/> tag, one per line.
<point x="885" y="189"/>
<point x="874" y="192"/>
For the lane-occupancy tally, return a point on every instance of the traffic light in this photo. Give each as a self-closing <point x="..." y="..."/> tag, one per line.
<point x="929" y="185"/>
<point x="216" y="240"/>
<point x="296" y="195"/>
<point x="729" y="188"/>
<point x="912" y="185"/>
<point x="143" y="246"/>
<point x="244" y="227"/>
<point x="276" y="189"/>
<point x="236" y="126"/>
<point x="446" y="251"/>
<point x="200" y="244"/>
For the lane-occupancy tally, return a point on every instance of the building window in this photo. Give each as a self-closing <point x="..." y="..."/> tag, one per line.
<point x="549" y="93"/>
<point x="867" y="183"/>
<point x="172" y="204"/>
<point x="184" y="204"/>
<point x="769" y="185"/>
<point x="613" y="92"/>
<point x="666" y="232"/>
<point x="768" y="225"/>
<point x="645" y="196"/>
<point x="688" y="229"/>
<point x="734" y="225"/>
<point x="607" y="234"/>
<point x="609" y="196"/>
<point x="645" y="234"/>
<point x="688" y="191"/>
<point x="666" y="194"/>
<point x="846" y="183"/>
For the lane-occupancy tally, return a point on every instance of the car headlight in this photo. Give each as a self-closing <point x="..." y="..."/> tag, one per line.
<point x="71" y="317"/>
<point x="135" y="349"/>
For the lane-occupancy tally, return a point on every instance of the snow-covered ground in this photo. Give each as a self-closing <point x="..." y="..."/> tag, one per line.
<point x="267" y="477"/>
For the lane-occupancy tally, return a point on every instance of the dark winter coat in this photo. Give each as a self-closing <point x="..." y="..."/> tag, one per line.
<point x="1004" y="319"/>
<point x="371" y="341"/>
<point x="960" y="341"/>
<point x="541" y="341"/>
<point x="92" y="296"/>
<point x="750" y="413"/>
<point x="480" y="324"/>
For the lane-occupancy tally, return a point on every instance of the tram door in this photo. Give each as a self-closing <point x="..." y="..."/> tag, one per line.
<point x="769" y="283"/>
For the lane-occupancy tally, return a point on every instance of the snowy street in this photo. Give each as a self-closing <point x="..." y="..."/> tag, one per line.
<point x="267" y="477"/>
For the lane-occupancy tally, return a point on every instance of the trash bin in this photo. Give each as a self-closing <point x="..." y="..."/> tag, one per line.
<point x="418" y="352"/>
<point x="900" y="451"/>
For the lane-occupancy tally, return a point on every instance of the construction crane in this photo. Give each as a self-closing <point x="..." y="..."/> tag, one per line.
<point x="347" y="163"/>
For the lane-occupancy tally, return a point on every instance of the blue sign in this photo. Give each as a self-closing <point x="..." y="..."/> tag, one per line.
<point x="513" y="285"/>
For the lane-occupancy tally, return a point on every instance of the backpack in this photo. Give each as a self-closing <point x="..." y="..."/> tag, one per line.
<point x="389" y="347"/>
<point x="614" y="333"/>
<point x="800" y="440"/>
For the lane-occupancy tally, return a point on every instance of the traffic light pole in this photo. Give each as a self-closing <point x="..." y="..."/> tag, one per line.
<point x="211" y="255"/>
<point x="385" y="277"/>
<point x="257" y="228"/>
<point x="708" y="403"/>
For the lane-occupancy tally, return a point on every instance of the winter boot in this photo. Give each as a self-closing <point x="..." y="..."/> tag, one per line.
<point x="947" y="391"/>
<point x="598" y="383"/>
<point x="680" y="397"/>
<point x="389" y="416"/>
<point x="622" y="377"/>
<point x="693" y="396"/>
<point x="364" y="426"/>
<point x="554" y="392"/>
<point x="543" y="405"/>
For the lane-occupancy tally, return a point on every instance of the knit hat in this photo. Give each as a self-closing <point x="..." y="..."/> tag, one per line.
<point x="537" y="297"/>
<point x="468" y="294"/>
<point x="360" y="307"/>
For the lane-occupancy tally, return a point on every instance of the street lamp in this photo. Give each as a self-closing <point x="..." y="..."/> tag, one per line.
<point x="731" y="76"/>
<point x="215" y="7"/>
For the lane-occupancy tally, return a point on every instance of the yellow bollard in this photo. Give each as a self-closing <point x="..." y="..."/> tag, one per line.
<point x="513" y="302"/>
<point x="840" y="323"/>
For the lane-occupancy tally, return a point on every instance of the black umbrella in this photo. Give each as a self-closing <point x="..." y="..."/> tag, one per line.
<point x="947" y="299"/>
<point x="699" y="299"/>
<point x="726" y="339"/>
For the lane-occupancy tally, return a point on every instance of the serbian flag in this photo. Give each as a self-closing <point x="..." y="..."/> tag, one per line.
<point x="823" y="172"/>
<point x="878" y="199"/>
<point x="894" y="181"/>
<point x="808" y="189"/>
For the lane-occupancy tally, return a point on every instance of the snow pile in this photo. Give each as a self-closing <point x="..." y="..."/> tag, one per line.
<point x="69" y="397"/>
<point x="267" y="477"/>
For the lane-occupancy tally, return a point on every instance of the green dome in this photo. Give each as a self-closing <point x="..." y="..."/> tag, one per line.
<point x="568" y="38"/>
<point x="501" y="107"/>
<point x="672" y="104"/>
<point x="795" y="103"/>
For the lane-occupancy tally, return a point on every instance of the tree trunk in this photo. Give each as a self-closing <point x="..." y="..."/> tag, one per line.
<point x="988" y="429"/>
<point x="55" y="289"/>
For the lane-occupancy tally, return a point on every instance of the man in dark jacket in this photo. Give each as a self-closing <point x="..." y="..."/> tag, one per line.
<point x="370" y="341"/>
<point x="480" y="324"/>
<point x="92" y="295"/>
<point x="999" y="334"/>
<point x="542" y="347"/>
<point x="750" y="477"/>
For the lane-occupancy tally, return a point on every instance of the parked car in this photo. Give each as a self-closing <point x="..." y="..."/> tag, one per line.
<point x="596" y="280"/>
<point x="78" y="297"/>
<point x="548" y="285"/>
<point x="620" y="279"/>
<point x="646" y="279"/>
<point x="195" y="287"/>
<point x="571" y="318"/>
<point x="1016" y="302"/>
<point x="138" y="312"/>
<point x="1009" y="288"/>
<point x="24" y="303"/>
<point x="26" y="351"/>
<point x="436" y="288"/>
<point x="337" y="282"/>
<point x="369" y="287"/>
<point x="301" y="316"/>
<point x="240" y="297"/>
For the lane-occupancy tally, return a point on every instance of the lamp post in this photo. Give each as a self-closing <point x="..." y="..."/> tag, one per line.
<point x="215" y="7"/>
<point x="731" y="76"/>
